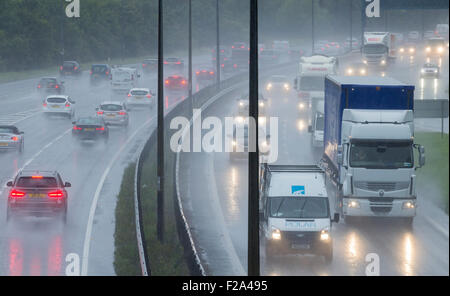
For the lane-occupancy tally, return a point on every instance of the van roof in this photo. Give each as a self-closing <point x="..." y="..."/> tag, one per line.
<point x="297" y="184"/>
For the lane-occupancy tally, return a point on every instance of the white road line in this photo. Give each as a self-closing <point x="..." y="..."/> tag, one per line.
<point x="12" y="119"/>
<point x="87" y="237"/>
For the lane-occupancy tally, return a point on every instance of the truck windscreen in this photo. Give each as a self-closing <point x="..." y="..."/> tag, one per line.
<point x="381" y="154"/>
<point x="299" y="207"/>
<point x="374" y="49"/>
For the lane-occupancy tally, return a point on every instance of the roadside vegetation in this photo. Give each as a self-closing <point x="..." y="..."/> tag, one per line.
<point x="432" y="179"/>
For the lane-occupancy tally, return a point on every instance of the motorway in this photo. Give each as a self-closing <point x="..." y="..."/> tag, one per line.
<point x="215" y="199"/>
<point x="39" y="246"/>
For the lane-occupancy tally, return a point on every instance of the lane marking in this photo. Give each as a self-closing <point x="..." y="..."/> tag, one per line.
<point x="87" y="237"/>
<point x="12" y="119"/>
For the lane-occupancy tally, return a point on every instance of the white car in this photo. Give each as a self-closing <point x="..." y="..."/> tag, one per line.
<point x="113" y="113"/>
<point x="430" y="70"/>
<point x="11" y="138"/>
<point x="58" y="104"/>
<point x="240" y="142"/>
<point x="140" y="97"/>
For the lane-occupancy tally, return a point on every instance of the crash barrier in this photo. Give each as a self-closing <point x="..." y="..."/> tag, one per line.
<point x="184" y="109"/>
<point x="432" y="109"/>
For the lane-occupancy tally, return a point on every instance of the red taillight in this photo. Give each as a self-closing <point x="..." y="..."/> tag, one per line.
<point x="122" y="113"/>
<point x="60" y="68"/>
<point x="149" y="96"/>
<point x="232" y="46"/>
<point x="165" y="63"/>
<point x="99" y="112"/>
<point x="67" y="105"/>
<point x="75" y="68"/>
<point x="15" y="139"/>
<point x="107" y="72"/>
<point x="212" y="73"/>
<point x="167" y="81"/>
<point x="198" y="72"/>
<point x="39" y="86"/>
<point x="183" y="82"/>
<point x="235" y="66"/>
<point x="58" y="194"/>
<point x="37" y="177"/>
<point x="45" y="104"/>
<point x="56" y="86"/>
<point x="76" y="128"/>
<point x="223" y="65"/>
<point x="100" y="128"/>
<point x="144" y="65"/>
<point x="129" y="95"/>
<point x="16" y="194"/>
<point x="90" y="72"/>
<point x="178" y="63"/>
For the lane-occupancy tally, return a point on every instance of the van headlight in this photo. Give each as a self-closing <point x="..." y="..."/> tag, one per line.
<point x="276" y="233"/>
<point x="440" y="49"/>
<point x="353" y="204"/>
<point x="408" y="205"/>
<point x="325" y="234"/>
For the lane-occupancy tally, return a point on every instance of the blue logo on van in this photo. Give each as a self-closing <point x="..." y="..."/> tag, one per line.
<point x="298" y="190"/>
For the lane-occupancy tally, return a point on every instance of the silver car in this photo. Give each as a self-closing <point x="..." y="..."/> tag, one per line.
<point x="113" y="113"/>
<point x="11" y="138"/>
<point x="58" y="104"/>
<point x="430" y="70"/>
<point x="140" y="97"/>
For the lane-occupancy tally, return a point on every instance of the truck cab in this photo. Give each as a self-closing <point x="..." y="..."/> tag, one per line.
<point x="295" y="211"/>
<point x="309" y="82"/>
<point x="376" y="48"/>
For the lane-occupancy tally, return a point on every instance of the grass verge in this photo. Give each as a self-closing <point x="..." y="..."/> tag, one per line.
<point x="432" y="179"/>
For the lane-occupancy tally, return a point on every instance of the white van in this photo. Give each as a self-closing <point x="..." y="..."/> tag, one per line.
<point x="123" y="79"/>
<point x="295" y="211"/>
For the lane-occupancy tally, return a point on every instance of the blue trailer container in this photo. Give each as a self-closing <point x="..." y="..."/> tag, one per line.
<point x="346" y="92"/>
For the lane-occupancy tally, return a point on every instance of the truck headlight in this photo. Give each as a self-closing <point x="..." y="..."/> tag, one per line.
<point x="286" y="86"/>
<point x="353" y="204"/>
<point x="241" y="104"/>
<point x="325" y="235"/>
<point x="440" y="49"/>
<point x="383" y="62"/>
<point x="276" y="234"/>
<point x="428" y="49"/>
<point x="365" y="62"/>
<point x="409" y="205"/>
<point x="350" y="71"/>
<point x="269" y="86"/>
<point x="234" y="143"/>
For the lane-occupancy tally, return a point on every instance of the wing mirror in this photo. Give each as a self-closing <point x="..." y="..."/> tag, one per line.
<point x="421" y="155"/>
<point x="9" y="184"/>
<point x="67" y="184"/>
<point x="340" y="158"/>
<point x="335" y="218"/>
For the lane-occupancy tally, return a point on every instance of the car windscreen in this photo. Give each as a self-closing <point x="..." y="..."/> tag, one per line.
<point x="56" y="100"/>
<point x="312" y="83"/>
<point x="7" y="130"/>
<point x="381" y="154"/>
<point x="98" y="69"/>
<point x="111" y="107"/>
<point x="37" y="182"/>
<point x="88" y="121"/>
<point x="299" y="207"/>
<point x="47" y="81"/>
<point x="139" y="93"/>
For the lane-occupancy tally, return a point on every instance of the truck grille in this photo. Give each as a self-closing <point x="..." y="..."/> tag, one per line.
<point x="385" y="186"/>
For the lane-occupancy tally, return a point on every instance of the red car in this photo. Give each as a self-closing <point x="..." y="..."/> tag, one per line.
<point x="176" y="82"/>
<point x="205" y="75"/>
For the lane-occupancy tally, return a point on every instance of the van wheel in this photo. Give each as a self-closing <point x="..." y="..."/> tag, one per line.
<point x="328" y="254"/>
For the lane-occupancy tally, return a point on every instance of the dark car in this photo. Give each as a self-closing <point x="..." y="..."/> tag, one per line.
<point x="11" y="138"/>
<point x="175" y="64"/>
<point x="70" y="68"/>
<point x="150" y="65"/>
<point x="205" y="75"/>
<point x="37" y="193"/>
<point x="90" y="128"/>
<point x="176" y="82"/>
<point x="51" y="85"/>
<point x="100" y="72"/>
<point x="269" y="57"/>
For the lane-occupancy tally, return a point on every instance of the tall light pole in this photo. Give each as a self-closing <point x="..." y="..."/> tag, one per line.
<point x="351" y="25"/>
<point x="218" y="44"/>
<point x="160" y="148"/>
<point x="191" y="102"/>
<point x="312" y="26"/>
<point x="253" y="267"/>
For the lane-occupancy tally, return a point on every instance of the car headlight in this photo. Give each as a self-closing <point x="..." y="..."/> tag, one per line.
<point x="383" y="62"/>
<point x="428" y="49"/>
<point x="412" y="50"/>
<point x="301" y="106"/>
<point x="402" y="49"/>
<point x="325" y="235"/>
<point x="440" y="49"/>
<point x="423" y="70"/>
<point x="350" y="71"/>
<point x="241" y="104"/>
<point x="276" y="234"/>
<point x="364" y="61"/>
<point x="409" y="205"/>
<point x="269" y="86"/>
<point x="261" y="104"/>
<point x="353" y="204"/>
<point x="363" y="71"/>
<point x="286" y="86"/>
<point x="435" y="70"/>
<point x="234" y="143"/>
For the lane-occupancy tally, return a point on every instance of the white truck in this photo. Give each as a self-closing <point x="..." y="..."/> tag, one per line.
<point x="123" y="79"/>
<point x="379" y="48"/>
<point x="309" y="82"/>
<point x="369" y="147"/>
<point x="295" y="211"/>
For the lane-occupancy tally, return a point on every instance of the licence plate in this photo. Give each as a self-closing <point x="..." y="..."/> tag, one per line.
<point x="89" y="129"/>
<point x="3" y="144"/>
<point x="37" y="195"/>
<point x="139" y="97"/>
<point x="55" y="106"/>
<point x="111" y="115"/>
<point x="300" y="246"/>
